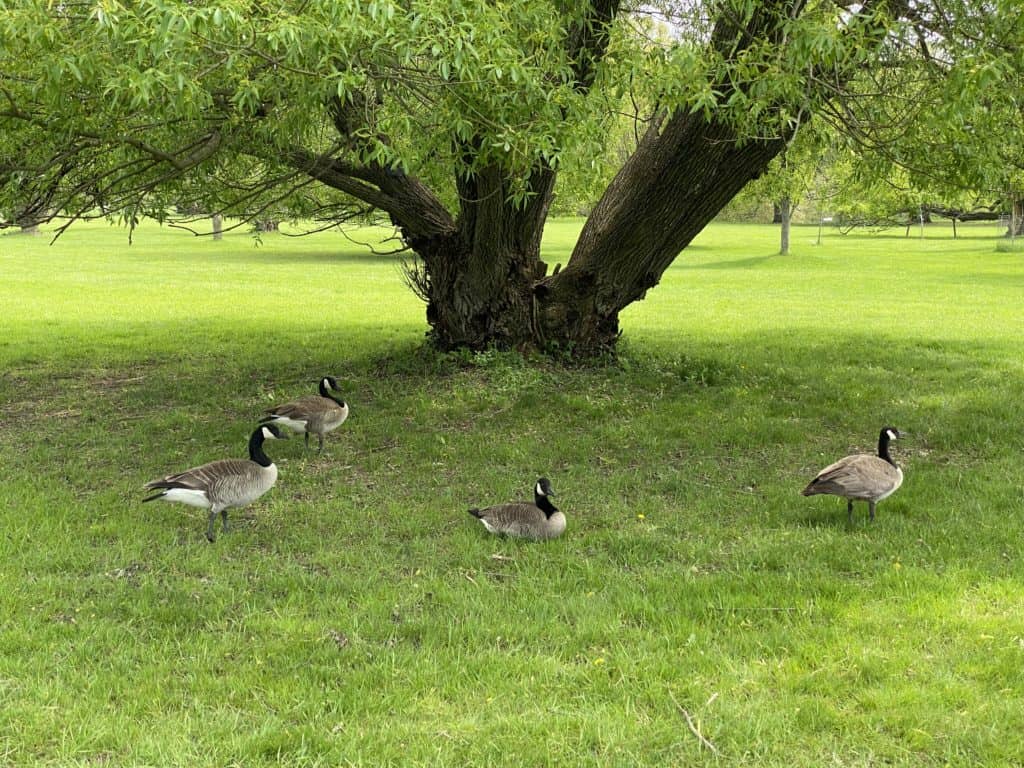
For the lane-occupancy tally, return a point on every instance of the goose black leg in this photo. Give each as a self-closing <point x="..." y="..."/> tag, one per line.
<point x="321" y="448"/>
<point x="307" y="440"/>
<point x="209" y="526"/>
<point x="849" y="510"/>
<point x="224" y="519"/>
<point x="871" y="510"/>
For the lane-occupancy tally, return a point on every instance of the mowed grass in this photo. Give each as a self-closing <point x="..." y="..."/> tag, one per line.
<point x="356" y="615"/>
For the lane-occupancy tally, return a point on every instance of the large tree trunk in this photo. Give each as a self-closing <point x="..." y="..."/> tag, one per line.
<point x="485" y="283"/>
<point x="478" y="280"/>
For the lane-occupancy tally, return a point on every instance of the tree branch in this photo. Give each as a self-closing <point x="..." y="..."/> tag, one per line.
<point x="408" y="201"/>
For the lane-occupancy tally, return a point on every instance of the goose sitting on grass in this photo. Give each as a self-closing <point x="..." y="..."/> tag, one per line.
<point x="521" y="519"/>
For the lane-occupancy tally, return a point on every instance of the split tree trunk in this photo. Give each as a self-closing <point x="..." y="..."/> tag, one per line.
<point x="485" y="283"/>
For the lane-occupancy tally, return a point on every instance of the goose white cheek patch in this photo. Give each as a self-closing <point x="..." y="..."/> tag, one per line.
<point x="540" y="491"/>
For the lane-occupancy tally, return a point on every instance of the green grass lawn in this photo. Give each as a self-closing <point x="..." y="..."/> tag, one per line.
<point x="356" y="615"/>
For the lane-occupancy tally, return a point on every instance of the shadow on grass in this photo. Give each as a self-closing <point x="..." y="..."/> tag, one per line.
<point x="746" y="263"/>
<point x="269" y="256"/>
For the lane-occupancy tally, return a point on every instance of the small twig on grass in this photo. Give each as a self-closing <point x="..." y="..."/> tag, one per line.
<point x="752" y="609"/>
<point x="693" y="727"/>
<point x="496" y="556"/>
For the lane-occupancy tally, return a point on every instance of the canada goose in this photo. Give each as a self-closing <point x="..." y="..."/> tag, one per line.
<point x="540" y="520"/>
<point x="861" y="477"/>
<point x="223" y="484"/>
<point x="318" y="414"/>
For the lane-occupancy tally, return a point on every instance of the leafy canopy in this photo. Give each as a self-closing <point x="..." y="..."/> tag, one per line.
<point x="133" y="106"/>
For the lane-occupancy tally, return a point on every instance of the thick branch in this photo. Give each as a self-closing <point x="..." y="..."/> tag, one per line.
<point x="411" y="205"/>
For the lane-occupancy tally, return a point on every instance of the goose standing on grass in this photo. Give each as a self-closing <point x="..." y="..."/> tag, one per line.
<point x="317" y="414"/>
<point x="221" y="485"/>
<point x="861" y="477"/>
<point x="539" y="520"/>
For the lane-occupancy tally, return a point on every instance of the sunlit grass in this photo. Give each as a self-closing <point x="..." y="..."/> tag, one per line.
<point x="357" y="615"/>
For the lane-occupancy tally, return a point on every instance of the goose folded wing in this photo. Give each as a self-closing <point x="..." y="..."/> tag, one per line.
<point x="857" y="477"/>
<point x="207" y="476"/>
<point x="514" y="515"/>
<point x="301" y="408"/>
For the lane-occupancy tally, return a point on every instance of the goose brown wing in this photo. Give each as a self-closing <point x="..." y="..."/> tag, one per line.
<point x="515" y="517"/>
<point x="302" y="408"/>
<point x="206" y="476"/>
<point x="860" y="477"/>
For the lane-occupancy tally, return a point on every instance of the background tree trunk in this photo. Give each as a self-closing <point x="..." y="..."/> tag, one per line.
<point x="218" y="226"/>
<point x="785" y="216"/>
<point x="1016" y="228"/>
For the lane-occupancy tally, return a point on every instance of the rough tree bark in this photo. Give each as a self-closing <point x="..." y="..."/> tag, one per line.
<point x="683" y="173"/>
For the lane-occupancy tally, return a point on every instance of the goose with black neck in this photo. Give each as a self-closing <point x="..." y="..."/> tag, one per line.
<point x="521" y="519"/>
<point x="313" y="414"/>
<point x="223" y="484"/>
<point x="861" y="476"/>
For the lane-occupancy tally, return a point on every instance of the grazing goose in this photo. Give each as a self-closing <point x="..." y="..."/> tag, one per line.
<point x="540" y="520"/>
<point x="223" y="484"/>
<point x="318" y="414"/>
<point x="861" y="477"/>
